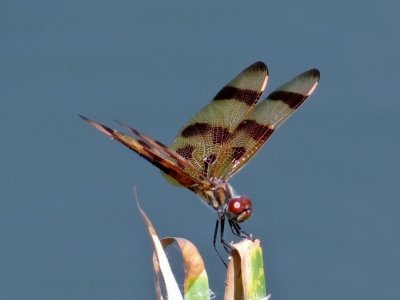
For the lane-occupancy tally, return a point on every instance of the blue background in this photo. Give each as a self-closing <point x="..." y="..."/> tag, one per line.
<point x="325" y="188"/>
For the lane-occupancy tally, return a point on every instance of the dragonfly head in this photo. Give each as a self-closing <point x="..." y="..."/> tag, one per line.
<point x="239" y="209"/>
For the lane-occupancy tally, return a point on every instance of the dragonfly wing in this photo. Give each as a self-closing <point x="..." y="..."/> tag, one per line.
<point x="156" y="153"/>
<point x="252" y="132"/>
<point x="203" y="138"/>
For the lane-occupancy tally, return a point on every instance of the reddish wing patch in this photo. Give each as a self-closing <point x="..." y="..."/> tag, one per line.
<point x="293" y="100"/>
<point x="219" y="134"/>
<point x="196" y="129"/>
<point x="186" y="152"/>
<point x="254" y="130"/>
<point x="244" y="95"/>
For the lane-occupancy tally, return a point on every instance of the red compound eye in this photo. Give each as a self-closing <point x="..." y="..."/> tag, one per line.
<point x="239" y="209"/>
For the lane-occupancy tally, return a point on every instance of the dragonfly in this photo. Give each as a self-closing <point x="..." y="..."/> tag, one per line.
<point x="220" y="140"/>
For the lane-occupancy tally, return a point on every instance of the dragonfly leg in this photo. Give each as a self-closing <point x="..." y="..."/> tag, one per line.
<point x="215" y="240"/>
<point x="237" y="230"/>
<point x="226" y="246"/>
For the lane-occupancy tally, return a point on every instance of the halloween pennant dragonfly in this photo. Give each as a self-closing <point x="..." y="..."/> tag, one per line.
<point x="220" y="139"/>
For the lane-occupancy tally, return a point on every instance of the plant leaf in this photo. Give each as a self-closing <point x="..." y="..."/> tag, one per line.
<point x="245" y="277"/>
<point x="161" y="265"/>
<point x="196" y="280"/>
